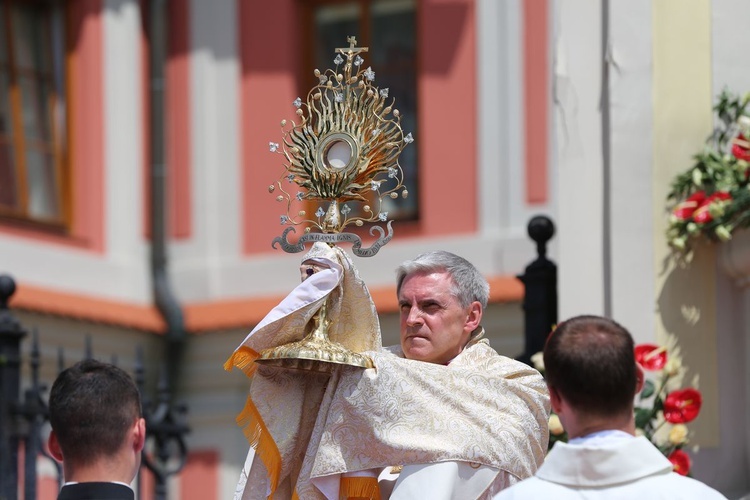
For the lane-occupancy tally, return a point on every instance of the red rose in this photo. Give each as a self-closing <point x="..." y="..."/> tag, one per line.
<point x="684" y="210"/>
<point x="739" y="148"/>
<point x="682" y="406"/>
<point x="680" y="462"/>
<point x="651" y="356"/>
<point x="702" y="214"/>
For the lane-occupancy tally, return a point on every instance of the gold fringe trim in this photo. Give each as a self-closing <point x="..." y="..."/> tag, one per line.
<point x="359" y="488"/>
<point x="251" y="422"/>
<point x="243" y="358"/>
<point x="257" y="435"/>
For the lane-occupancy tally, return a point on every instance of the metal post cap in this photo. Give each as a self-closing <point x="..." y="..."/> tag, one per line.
<point x="7" y="289"/>
<point x="541" y="228"/>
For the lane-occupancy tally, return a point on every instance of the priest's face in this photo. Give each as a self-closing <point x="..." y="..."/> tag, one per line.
<point x="435" y="327"/>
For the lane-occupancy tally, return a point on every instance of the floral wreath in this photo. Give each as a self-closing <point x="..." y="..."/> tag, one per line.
<point x="711" y="199"/>
<point x="660" y="413"/>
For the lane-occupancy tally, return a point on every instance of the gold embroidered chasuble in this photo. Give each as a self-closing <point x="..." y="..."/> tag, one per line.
<point x="308" y="428"/>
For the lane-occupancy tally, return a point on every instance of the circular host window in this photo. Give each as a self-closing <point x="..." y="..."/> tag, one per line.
<point x="337" y="151"/>
<point x="339" y="154"/>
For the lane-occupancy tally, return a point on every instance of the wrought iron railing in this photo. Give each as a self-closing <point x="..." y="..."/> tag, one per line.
<point x="23" y="419"/>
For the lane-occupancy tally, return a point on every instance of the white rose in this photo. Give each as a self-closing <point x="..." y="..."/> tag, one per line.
<point x="555" y="426"/>
<point x="672" y="367"/>
<point x="744" y="123"/>
<point x="639" y="432"/>
<point x="538" y="361"/>
<point x="678" y="434"/>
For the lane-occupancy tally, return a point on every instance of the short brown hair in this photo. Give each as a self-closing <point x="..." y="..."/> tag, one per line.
<point x="590" y="361"/>
<point x="92" y="405"/>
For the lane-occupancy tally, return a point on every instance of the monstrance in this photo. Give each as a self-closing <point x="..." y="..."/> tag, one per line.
<point x="343" y="154"/>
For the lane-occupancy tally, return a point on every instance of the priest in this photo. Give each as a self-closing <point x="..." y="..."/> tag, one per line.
<point x="440" y="416"/>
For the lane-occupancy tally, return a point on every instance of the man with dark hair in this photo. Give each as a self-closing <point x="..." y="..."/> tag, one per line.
<point x="593" y="379"/>
<point x="97" y="431"/>
<point x="591" y="362"/>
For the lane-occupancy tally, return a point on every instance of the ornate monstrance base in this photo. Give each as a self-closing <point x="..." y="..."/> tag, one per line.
<point x="314" y="352"/>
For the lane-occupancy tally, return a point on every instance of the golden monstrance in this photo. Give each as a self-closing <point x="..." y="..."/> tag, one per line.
<point x="342" y="151"/>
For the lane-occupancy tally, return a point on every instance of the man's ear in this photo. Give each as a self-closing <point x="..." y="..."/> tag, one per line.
<point x="640" y="378"/>
<point x="474" y="317"/>
<point x="139" y="435"/>
<point x="555" y="399"/>
<point x="54" y="446"/>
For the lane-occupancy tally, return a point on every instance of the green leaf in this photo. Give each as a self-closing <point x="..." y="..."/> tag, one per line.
<point x="648" y="389"/>
<point x="642" y="416"/>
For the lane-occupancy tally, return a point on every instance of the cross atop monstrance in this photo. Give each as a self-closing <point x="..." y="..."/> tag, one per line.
<point x="352" y="50"/>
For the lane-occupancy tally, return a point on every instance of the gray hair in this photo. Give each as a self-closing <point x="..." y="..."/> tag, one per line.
<point x="468" y="283"/>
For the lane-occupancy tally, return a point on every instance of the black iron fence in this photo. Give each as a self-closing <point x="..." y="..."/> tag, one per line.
<point x="23" y="417"/>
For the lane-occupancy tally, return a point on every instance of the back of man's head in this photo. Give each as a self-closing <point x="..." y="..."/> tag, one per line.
<point x="92" y="406"/>
<point x="590" y="361"/>
<point x="468" y="283"/>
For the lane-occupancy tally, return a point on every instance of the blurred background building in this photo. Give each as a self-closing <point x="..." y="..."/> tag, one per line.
<point x="134" y="174"/>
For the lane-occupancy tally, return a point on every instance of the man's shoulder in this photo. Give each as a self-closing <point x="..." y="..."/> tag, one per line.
<point x="667" y="486"/>
<point x="96" y="491"/>
<point x="478" y="358"/>
<point x="481" y="354"/>
<point x="685" y="487"/>
<point x="475" y="354"/>
<point x="532" y="487"/>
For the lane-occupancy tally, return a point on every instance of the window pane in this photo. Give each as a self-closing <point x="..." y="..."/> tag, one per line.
<point x="3" y="40"/>
<point x="393" y="57"/>
<point x="57" y="43"/>
<point x="42" y="196"/>
<point x="333" y="24"/>
<point x="22" y="38"/>
<point x="34" y="68"/>
<point x="36" y="113"/>
<point x="31" y="38"/>
<point x="8" y="198"/>
<point x="6" y="125"/>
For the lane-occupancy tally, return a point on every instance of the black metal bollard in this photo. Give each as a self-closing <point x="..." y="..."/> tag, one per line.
<point x="540" y="297"/>
<point x="11" y="334"/>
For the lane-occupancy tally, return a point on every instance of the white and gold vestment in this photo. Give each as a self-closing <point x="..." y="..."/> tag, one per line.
<point x="312" y="430"/>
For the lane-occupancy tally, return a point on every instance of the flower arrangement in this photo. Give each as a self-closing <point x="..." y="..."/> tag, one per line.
<point x="659" y="408"/>
<point x="661" y="412"/>
<point x="712" y="198"/>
